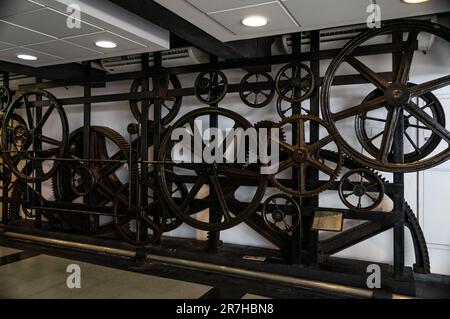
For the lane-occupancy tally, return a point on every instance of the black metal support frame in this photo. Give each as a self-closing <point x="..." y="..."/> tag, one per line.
<point x="304" y="247"/>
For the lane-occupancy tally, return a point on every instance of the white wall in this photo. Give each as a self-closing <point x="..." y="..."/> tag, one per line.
<point x="430" y="201"/>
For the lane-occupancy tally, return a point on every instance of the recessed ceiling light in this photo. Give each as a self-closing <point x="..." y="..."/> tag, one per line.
<point x="27" y="57"/>
<point x="415" y="1"/>
<point x="255" y="21"/>
<point x="106" y="44"/>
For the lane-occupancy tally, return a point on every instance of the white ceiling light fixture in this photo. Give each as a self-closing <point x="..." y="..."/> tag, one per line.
<point x="106" y="44"/>
<point x="27" y="57"/>
<point x="255" y="21"/>
<point x="415" y="1"/>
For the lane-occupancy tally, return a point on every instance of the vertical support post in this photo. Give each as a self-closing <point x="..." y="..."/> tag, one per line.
<point x="141" y="229"/>
<point x="298" y="233"/>
<point x="213" y="236"/>
<point x="37" y="148"/>
<point x="313" y="174"/>
<point x="5" y="180"/>
<point x="399" y="196"/>
<point x="86" y="218"/>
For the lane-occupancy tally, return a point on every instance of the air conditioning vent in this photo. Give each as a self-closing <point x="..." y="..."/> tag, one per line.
<point x="341" y="35"/>
<point x="170" y="58"/>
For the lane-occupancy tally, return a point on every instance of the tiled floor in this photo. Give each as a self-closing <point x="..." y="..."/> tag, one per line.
<point x="43" y="276"/>
<point x="5" y="251"/>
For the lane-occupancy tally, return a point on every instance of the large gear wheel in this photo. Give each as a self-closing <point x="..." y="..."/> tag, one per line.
<point x="20" y="195"/>
<point x="5" y="98"/>
<point x="19" y="141"/>
<point x="397" y="95"/>
<point x="169" y="106"/>
<point x="304" y="155"/>
<point x="211" y="181"/>
<point x="270" y="125"/>
<point x="413" y="150"/>
<point x="106" y="144"/>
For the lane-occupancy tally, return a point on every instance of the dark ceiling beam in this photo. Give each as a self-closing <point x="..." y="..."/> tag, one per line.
<point x="54" y="72"/>
<point x="159" y="15"/>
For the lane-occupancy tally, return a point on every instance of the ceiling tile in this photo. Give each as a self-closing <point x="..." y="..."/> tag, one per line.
<point x="50" y="22"/>
<point x="11" y="56"/>
<point x="12" y="7"/>
<point x="232" y="19"/>
<point x="391" y="8"/>
<point x="212" y="6"/>
<point x="88" y="41"/>
<point x="64" y="49"/>
<point x="4" y="46"/>
<point x="19" y="36"/>
<point x="325" y="12"/>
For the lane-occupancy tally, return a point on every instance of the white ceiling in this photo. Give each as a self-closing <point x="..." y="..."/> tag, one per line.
<point x="222" y="18"/>
<point x="39" y="28"/>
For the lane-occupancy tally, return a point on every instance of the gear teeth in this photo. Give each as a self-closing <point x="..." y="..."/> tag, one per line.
<point x="269" y="124"/>
<point x="60" y="190"/>
<point x="420" y="246"/>
<point x="336" y="172"/>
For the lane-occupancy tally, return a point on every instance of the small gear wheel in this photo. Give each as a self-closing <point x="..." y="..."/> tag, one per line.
<point x="257" y="97"/>
<point x="82" y="180"/>
<point x="295" y="82"/>
<point x="361" y="190"/>
<point x="281" y="213"/>
<point x="211" y="87"/>
<point x="303" y="157"/>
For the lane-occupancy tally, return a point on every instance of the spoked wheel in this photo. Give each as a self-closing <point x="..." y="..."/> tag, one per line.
<point x="304" y="155"/>
<point x="211" y="87"/>
<point x="82" y="180"/>
<point x="257" y="97"/>
<point x="136" y="225"/>
<point x="295" y="82"/>
<point x="285" y="109"/>
<point x="5" y="98"/>
<point x="152" y="220"/>
<point x="211" y="182"/>
<point x="361" y="190"/>
<point x="281" y="213"/>
<point x="169" y="107"/>
<point x="399" y="97"/>
<point x="105" y="176"/>
<point x="19" y="140"/>
<point x="414" y="150"/>
<point x="24" y="196"/>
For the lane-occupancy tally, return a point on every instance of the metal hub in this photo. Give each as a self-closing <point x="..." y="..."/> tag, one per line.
<point x="359" y="190"/>
<point x="278" y="216"/>
<point x="20" y="135"/>
<point x="204" y="84"/>
<point x="397" y="95"/>
<point x="300" y="155"/>
<point x="295" y="82"/>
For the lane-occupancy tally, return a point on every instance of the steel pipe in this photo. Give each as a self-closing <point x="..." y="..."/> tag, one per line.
<point x="302" y="283"/>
